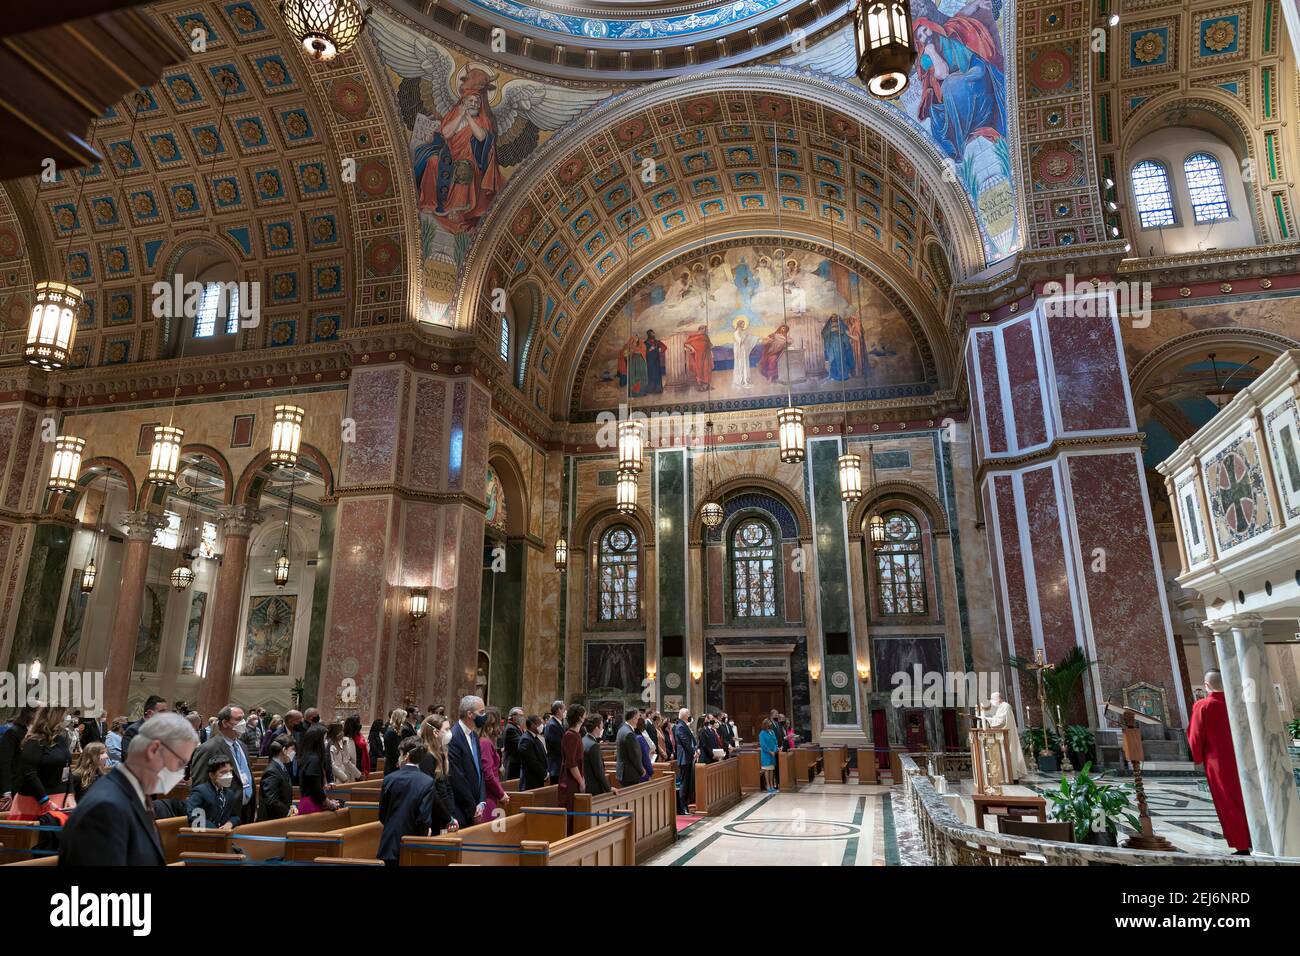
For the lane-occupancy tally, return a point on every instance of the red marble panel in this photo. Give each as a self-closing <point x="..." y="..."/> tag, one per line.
<point x="717" y="584"/>
<point x="428" y="437"/>
<point x="477" y="432"/>
<point x="990" y="397"/>
<point x="793" y="583"/>
<point x="1128" y="622"/>
<point x="1051" y="574"/>
<point x="373" y="398"/>
<point x="357" y="595"/>
<point x="21" y="466"/>
<point x="977" y="410"/>
<point x="1090" y="378"/>
<point x="1012" y="561"/>
<point x="1022" y="371"/>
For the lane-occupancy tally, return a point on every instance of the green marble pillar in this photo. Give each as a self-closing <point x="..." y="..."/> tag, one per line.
<point x="672" y="510"/>
<point x="38" y="606"/>
<point x="320" y="597"/>
<point x="830" y="536"/>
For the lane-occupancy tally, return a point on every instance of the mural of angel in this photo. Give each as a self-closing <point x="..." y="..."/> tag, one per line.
<point x="468" y="127"/>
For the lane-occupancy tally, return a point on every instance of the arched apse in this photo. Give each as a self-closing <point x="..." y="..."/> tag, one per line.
<point x="568" y="212"/>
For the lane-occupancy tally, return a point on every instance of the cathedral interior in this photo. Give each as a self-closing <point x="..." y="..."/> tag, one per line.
<point x="674" y="355"/>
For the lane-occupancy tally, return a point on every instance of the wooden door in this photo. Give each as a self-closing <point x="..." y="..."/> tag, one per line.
<point x="749" y="702"/>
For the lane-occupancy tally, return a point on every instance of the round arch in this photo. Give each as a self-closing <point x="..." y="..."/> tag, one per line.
<point x="65" y="503"/>
<point x="897" y="489"/>
<point x="502" y="460"/>
<point x="227" y="475"/>
<point x="243" y="489"/>
<point x="594" y="514"/>
<point x="1195" y="343"/>
<point x="743" y="483"/>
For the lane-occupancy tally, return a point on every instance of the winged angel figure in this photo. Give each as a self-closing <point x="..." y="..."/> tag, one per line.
<point x="466" y="127"/>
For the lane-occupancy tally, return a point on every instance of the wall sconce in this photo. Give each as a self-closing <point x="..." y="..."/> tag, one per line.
<point x="418" y="603"/>
<point x="650" y="673"/>
<point x="696" y="674"/>
<point x="864" y="672"/>
<point x="815" y="672"/>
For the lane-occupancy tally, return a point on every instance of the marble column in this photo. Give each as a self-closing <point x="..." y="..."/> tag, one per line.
<point x="1239" y="725"/>
<point x="1276" y="777"/>
<point x="237" y="524"/>
<point x="140" y="527"/>
<point x="1205" y="641"/>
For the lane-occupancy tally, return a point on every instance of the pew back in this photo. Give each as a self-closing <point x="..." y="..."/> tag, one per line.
<point x="653" y="805"/>
<point x="717" y="786"/>
<point x="248" y="838"/>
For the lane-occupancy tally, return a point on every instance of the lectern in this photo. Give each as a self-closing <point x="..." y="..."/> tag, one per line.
<point x="990" y="759"/>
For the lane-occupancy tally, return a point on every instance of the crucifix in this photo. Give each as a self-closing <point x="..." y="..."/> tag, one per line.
<point x="1038" y="666"/>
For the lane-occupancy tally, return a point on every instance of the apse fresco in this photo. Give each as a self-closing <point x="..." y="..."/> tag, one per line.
<point x="470" y="124"/>
<point x="958" y="96"/>
<point x="768" y="322"/>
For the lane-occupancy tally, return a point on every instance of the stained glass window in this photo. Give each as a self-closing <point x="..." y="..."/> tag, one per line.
<point x="617" y="585"/>
<point x="218" y="299"/>
<point x="900" y="571"/>
<point x="1205" y="187"/>
<point x="753" y="569"/>
<point x="1155" y="203"/>
<point x="505" y="339"/>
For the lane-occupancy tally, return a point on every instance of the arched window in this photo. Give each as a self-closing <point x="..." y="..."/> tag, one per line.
<point x="505" y="339"/>
<point x="753" y="569"/>
<point x="219" y="300"/>
<point x="1155" y="202"/>
<point x="900" y="570"/>
<point x="1205" y="187"/>
<point x="617" y="586"/>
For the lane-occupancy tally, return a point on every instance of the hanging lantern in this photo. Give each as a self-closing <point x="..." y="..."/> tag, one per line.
<point x="883" y="36"/>
<point x="286" y="434"/>
<point x="850" y="477"/>
<point x="877" y="525"/>
<point x="790" y="431"/>
<point x="561" y="554"/>
<point x="625" y="492"/>
<point x="282" y="570"/>
<point x="711" y="513"/>
<point x="631" y="444"/>
<point x="65" y="466"/>
<point x="165" y="456"/>
<point x="88" y="577"/>
<point x="325" y="28"/>
<point x="53" y="325"/>
<point x="182" y="577"/>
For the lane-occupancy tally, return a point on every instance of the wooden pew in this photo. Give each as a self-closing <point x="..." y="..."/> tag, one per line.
<point x="360" y="840"/>
<point x="717" y="786"/>
<point x="835" y="764"/>
<point x="867" y="766"/>
<point x="785" y="770"/>
<point x="653" y="805"/>
<point x="536" y="837"/>
<point x="751" y="777"/>
<point x="225" y="841"/>
<point x="17" y="837"/>
<point x="807" y="763"/>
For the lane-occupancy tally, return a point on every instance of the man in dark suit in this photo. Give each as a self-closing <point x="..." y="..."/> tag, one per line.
<point x="782" y="741"/>
<point x="726" y="733"/>
<point x="113" y="825"/>
<point x="627" y="751"/>
<point x="464" y="768"/>
<point x="209" y="807"/>
<point x="593" y="761"/>
<point x="510" y="742"/>
<point x="533" y="771"/>
<point x="407" y="803"/>
<point x="276" y="799"/>
<point x="684" y="747"/>
<point x="152" y="705"/>
<point x="225" y="742"/>
<point x="553" y="734"/>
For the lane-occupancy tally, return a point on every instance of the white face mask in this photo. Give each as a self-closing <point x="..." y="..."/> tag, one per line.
<point x="167" y="779"/>
<point x="446" y="737"/>
<point x="241" y="726"/>
<point x="225" y="779"/>
<point x="288" y="755"/>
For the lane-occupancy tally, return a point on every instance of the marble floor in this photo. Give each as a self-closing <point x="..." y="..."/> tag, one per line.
<point x="850" y="825"/>
<point x="820" y="825"/>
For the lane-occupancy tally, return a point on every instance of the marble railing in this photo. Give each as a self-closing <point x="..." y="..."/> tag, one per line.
<point x="950" y="842"/>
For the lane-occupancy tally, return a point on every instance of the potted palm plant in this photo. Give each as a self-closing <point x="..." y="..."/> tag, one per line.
<point x="1094" y="809"/>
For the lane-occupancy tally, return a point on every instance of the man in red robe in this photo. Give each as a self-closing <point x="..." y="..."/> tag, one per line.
<point x="456" y="167"/>
<point x="1210" y="738"/>
<point x="699" y="357"/>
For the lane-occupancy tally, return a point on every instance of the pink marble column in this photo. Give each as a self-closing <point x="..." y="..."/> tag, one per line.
<point x="223" y="640"/>
<point x="1071" y="540"/>
<point x="140" y="527"/>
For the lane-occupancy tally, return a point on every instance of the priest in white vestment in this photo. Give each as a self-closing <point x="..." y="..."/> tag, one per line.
<point x="998" y="715"/>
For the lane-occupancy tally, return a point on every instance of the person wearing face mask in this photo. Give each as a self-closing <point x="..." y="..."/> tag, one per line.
<point x="91" y="764"/>
<point x="593" y="763"/>
<point x="408" y="805"/>
<point x="571" y="781"/>
<point x="533" y="771"/>
<point x="490" y="757"/>
<point x="252" y="738"/>
<point x="514" y="729"/>
<point x="114" y="824"/>
<point x="463" y="754"/>
<point x="276" y="797"/>
<point x="211" y="805"/>
<point x="226" y="742"/>
<point x="553" y="734"/>
<point x="435" y="735"/>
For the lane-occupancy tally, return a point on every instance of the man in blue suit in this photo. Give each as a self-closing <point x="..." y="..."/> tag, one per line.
<point x="407" y="802"/>
<point x="114" y="824"/>
<point x="466" y="770"/>
<point x="684" y="746"/>
<point x="210" y="805"/>
<point x="553" y="734"/>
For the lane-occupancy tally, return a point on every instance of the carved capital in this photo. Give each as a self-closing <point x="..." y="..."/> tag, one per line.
<point x="141" y="525"/>
<point x="239" y="520"/>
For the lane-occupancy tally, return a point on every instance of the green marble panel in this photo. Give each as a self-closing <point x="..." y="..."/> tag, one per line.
<point x="830" y="535"/>
<point x="501" y="626"/>
<point x="320" y="597"/>
<point x="42" y="589"/>
<point x="671" y="503"/>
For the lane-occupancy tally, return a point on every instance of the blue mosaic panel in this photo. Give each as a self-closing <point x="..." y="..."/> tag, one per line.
<point x="757" y="500"/>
